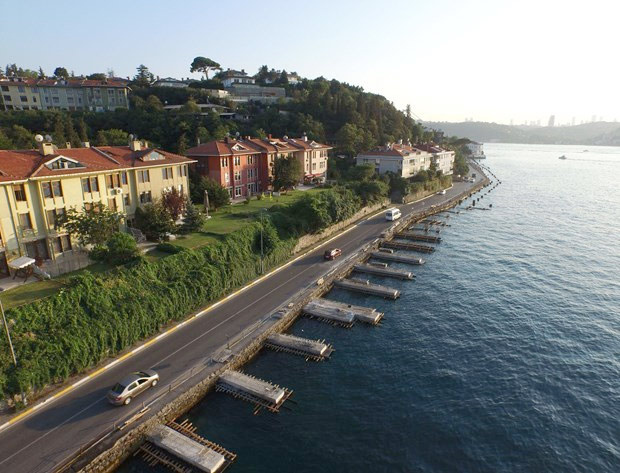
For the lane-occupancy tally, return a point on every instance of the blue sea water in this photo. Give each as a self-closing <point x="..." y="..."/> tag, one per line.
<point x="503" y="354"/>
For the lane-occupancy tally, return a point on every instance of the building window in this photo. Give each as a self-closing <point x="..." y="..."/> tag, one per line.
<point x="238" y="191"/>
<point x="85" y="185"/>
<point x="166" y="173"/>
<point x="124" y="178"/>
<point x="5" y="88"/>
<point x="314" y="166"/>
<point x="23" y="98"/>
<point x="55" y="100"/>
<point x="112" y="181"/>
<point x="145" y="197"/>
<point x="7" y="98"/>
<point x="112" y="204"/>
<point x="57" y="188"/>
<point x="126" y="200"/>
<point x="52" y="217"/>
<point x="144" y="176"/>
<point x="21" y="88"/>
<point x="61" y="244"/>
<point x="182" y="171"/>
<point x="20" y="193"/>
<point x="237" y="175"/>
<point x="237" y="161"/>
<point x="94" y="184"/>
<point x="47" y="189"/>
<point x="25" y="222"/>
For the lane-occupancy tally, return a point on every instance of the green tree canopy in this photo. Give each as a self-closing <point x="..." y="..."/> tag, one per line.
<point x="61" y="73"/>
<point x="91" y="226"/>
<point x="143" y="77"/>
<point x="204" y="65"/>
<point x="287" y="172"/>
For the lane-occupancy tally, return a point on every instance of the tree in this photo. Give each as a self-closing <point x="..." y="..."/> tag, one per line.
<point x="82" y="129"/>
<point x="101" y="139"/>
<point x="41" y="73"/>
<point x="144" y="77"/>
<point x="193" y="218"/>
<point x="349" y="139"/>
<point x="182" y="144"/>
<point x="61" y="73"/>
<point x="174" y="201"/>
<point x="190" y="107"/>
<point x="97" y="76"/>
<point x="121" y="248"/>
<point x="362" y="172"/>
<point x="204" y="65"/>
<point x="58" y="135"/>
<point x="92" y="226"/>
<point x="70" y="133"/>
<point x="153" y="104"/>
<point x="287" y="173"/>
<point x="154" y="220"/>
<point x="218" y="195"/>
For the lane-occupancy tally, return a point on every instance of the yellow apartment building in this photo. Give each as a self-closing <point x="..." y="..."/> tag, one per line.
<point x="38" y="185"/>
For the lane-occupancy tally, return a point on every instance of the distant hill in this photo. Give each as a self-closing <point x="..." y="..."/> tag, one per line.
<point x="597" y="133"/>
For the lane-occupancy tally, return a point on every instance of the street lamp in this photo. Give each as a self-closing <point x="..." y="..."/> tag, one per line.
<point x="261" y="239"/>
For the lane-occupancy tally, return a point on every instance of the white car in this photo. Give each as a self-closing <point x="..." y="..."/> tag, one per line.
<point x="442" y="192"/>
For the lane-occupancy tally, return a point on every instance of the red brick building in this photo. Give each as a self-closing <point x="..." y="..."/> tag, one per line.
<point x="245" y="165"/>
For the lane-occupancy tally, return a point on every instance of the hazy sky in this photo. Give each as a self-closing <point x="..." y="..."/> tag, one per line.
<point x="490" y="60"/>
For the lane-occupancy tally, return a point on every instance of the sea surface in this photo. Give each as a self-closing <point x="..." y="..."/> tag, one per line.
<point x="502" y="356"/>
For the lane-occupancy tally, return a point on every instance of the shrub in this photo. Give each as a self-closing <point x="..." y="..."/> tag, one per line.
<point x="154" y="220"/>
<point x="169" y="248"/>
<point x="122" y="248"/>
<point x="98" y="253"/>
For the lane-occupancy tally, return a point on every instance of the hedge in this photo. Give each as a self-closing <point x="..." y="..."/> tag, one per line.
<point x="98" y="316"/>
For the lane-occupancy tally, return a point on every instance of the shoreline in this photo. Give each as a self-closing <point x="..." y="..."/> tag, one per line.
<point x="245" y="346"/>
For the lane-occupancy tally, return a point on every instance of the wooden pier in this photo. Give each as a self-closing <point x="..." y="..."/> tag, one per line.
<point x="417" y="237"/>
<point x="316" y="350"/>
<point x="179" y="448"/>
<point x="424" y="228"/>
<point x="365" y="287"/>
<point x="325" y="308"/>
<point x="385" y="272"/>
<point x="408" y="246"/>
<point x="253" y="390"/>
<point x="397" y="257"/>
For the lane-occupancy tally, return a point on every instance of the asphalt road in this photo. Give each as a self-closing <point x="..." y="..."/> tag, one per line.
<point x="41" y="441"/>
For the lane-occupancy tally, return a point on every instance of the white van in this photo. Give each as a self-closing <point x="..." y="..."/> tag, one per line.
<point x="392" y="214"/>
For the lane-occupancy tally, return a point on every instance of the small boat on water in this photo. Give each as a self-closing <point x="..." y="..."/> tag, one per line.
<point x="562" y="157"/>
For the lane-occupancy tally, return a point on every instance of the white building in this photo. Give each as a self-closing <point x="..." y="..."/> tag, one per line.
<point x="476" y="150"/>
<point x="407" y="160"/>
<point x="232" y="77"/>
<point x="170" y="82"/>
<point x="401" y="159"/>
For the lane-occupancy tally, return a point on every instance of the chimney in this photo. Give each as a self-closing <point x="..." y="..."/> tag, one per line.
<point x="269" y="136"/>
<point x="134" y="145"/>
<point x="46" y="148"/>
<point x="85" y="144"/>
<point x="197" y="141"/>
<point x="226" y="139"/>
<point x="304" y="137"/>
<point x="67" y="145"/>
<point x="145" y="144"/>
<point x="400" y="142"/>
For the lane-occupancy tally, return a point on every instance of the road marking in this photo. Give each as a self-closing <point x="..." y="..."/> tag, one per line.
<point x="97" y="372"/>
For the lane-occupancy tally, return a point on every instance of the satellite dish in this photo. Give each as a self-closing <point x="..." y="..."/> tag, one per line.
<point x="38" y="138"/>
<point x="48" y="138"/>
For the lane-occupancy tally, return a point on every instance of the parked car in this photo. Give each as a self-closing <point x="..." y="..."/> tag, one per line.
<point x="332" y="254"/>
<point x="442" y="192"/>
<point x="136" y="383"/>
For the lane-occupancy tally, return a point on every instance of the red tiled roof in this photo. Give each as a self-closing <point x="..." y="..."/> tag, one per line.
<point x="299" y="142"/>
<point x="24" y="164"/>
<point x="222" y="148"/>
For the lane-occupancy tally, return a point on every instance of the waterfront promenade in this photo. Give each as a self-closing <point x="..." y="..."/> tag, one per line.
<point x="42" y="440"/>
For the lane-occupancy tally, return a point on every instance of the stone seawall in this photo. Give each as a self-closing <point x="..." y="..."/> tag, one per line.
<point x="107" y="454"/>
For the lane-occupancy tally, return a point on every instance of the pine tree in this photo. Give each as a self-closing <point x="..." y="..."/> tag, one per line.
<point x="193" y="219"/>
<point x="100" y="139"/>
<point x="58" y="135"/>
<point x="70" y="133"/>
<point x="82" y="129"/>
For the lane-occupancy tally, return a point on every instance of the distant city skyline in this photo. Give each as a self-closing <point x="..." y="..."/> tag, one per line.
<point x="449" y="60"/>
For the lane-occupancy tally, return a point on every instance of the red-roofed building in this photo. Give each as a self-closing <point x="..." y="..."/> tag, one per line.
<point x="38" y="185"/>
<point x="245" y="165"/>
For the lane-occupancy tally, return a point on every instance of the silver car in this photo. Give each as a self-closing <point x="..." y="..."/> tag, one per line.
<point x="136" y="383"/>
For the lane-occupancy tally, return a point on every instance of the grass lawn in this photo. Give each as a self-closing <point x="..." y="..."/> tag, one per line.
<point x="25" y="293"/>
<point x="233" y="217"/>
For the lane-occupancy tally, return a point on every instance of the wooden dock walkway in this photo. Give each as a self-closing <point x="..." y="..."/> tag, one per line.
<point x="408" y="246"/>
<point x="316" y="350"/>
<point x="397" y="257"/>
<point x="326" y="307"/>
<point x="365" y="287"/>
<point x="386" y="272"/>
<point x="417" y="237"/>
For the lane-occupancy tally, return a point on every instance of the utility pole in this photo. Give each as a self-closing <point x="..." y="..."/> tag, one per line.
<point x="206" y="202"/>
<point x="261" y="241"/>
<point x="8" y="336"/>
